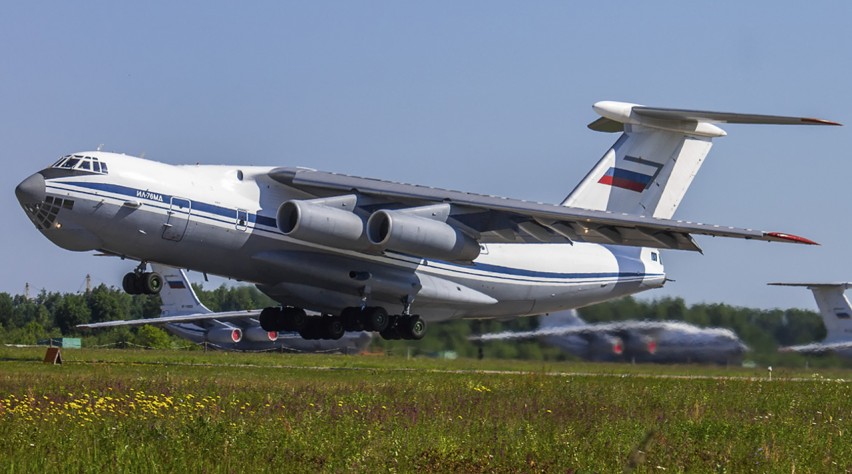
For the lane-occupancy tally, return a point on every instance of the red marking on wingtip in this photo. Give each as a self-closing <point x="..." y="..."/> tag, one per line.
<point x="617" y="349"/>
<point x="652" y="347"/>
<point x="791" y="238"/>
<point x="816" y="121"/>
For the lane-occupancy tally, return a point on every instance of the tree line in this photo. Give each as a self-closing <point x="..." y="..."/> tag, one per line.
<point x="51" y="314"/>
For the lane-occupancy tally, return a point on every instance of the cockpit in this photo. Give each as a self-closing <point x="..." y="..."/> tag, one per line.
<point x="82" y="163"/>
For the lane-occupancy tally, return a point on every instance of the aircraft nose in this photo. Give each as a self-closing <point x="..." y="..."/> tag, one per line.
<point x="31" y="190"/>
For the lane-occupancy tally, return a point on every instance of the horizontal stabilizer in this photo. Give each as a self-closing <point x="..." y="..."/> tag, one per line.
<point x="843" y="285"/>
<point x="614" y="115"/>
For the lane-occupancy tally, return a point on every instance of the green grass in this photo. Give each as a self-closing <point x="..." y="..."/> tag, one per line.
<point x="166" y="411"/>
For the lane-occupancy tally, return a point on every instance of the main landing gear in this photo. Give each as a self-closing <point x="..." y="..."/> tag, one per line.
<point x="140" y="282"/>
<point x="371" y="318"/>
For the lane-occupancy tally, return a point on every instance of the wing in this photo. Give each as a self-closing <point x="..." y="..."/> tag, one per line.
<point x="818" y="347"/>
<point x="497" y="219"/>
<point x="581" y="330"/>
<point x="186" y="318"/>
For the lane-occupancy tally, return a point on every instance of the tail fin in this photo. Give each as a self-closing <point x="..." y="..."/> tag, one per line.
<point x="651" y="165"/>
<point x="560" y="319"/>
<point x="833" y="307"/>
<point x="177" y="295"/>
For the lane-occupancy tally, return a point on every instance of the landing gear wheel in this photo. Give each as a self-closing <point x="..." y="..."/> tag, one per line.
<point x="334" y="328"/>
<point x="351" y="318"/>
<point x="293" y="319"/>
<point x="130" y="284"/>
<point x="270" y="319"/>
<point x="414" y="327"/>
<point x="311" y="329"/>
<point x="151" y="283"/>
<point x="375" y="318"/>
<point x="391" y="334"/>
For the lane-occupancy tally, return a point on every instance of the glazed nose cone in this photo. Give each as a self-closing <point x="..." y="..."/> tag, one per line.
<point x="31" y="190"/>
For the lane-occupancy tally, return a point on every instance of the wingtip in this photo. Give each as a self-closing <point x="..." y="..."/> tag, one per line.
<point x="791" y="238"/>
<point x="816" y="121"/>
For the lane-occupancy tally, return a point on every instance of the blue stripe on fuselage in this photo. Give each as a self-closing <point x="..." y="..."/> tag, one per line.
<point x="196" y="205"/>
<point x="630" y="265"/>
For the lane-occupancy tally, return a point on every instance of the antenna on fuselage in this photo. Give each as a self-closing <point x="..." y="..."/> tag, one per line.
<point x="100" y="146"/>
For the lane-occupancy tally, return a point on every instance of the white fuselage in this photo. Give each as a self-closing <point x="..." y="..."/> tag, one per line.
<point x="221" y="220"/>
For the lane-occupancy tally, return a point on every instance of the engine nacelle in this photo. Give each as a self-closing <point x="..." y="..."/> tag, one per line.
<point x="405" y="232"/>
<point x="640" y="344"/>
<point x="257" y="334"/>
<point x="323" y="221"/>
<point x="225" y="335"/>
<point x="605" y="345"/>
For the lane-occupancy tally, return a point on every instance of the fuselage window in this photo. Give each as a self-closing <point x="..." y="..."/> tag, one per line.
<point x="654" y="256"/>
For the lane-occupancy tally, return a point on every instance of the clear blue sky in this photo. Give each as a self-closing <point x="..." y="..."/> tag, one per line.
<point x="491" y="97"/>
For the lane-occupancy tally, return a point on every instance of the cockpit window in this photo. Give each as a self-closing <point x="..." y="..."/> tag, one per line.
<point x="80" y="162"/>
<point x="71" y="162"/>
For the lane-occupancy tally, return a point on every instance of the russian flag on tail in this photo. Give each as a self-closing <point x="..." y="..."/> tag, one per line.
<point x="626" y="179"/>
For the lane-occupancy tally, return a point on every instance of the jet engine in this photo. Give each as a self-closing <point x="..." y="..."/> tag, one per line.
<point x="641" y="344"/>
<point x="225" y="335"/>
<point x="257" y="334"/>
<point x="605" y="346"/>
<point x="407" y="231"/>
<point x="326" y="221"/>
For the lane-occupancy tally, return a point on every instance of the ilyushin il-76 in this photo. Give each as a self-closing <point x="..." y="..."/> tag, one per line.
<point x="369" y="254"/>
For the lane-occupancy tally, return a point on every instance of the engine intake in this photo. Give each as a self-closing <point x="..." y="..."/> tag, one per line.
<point x="405" y="231"/>
<point x="225" y="335"/>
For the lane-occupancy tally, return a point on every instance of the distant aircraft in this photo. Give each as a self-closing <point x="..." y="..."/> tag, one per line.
<point x="183" y="315"/>
<point x="367" y="254"/>
<point x="640" y="341"/>
<point x="836" y="315"/>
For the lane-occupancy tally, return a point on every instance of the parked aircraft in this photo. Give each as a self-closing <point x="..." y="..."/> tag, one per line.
<point x="640" y="341"/>
<point x="377" y="255"/>
<point x="184" y="315"/>
<point x="836" y="315"/>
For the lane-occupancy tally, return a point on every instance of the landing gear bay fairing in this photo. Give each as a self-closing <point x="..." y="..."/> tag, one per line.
<point x="368" y="254"/>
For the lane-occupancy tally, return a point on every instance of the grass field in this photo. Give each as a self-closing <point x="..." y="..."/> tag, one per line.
<point x="166" y="411"/>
